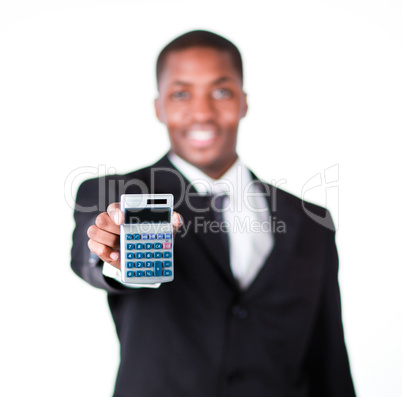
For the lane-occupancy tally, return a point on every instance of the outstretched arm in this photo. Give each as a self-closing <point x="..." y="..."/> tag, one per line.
<point x="96" y="238"/>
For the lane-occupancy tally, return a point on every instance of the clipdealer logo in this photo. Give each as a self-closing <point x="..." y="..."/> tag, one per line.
<point x="325" y="183"/>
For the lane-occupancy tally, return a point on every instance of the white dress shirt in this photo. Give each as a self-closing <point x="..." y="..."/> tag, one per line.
<point x="245" y="211"/>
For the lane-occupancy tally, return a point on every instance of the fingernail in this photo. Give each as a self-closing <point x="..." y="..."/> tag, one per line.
<point x="114" y="256"/>
<point x="116" y="218"/>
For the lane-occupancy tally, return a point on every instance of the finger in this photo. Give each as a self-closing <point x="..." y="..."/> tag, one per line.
<point x="177" y="222"/>
<point x="105" y="253"/>
<point x="103" y="237"/>
<point x="115" y="213"/>
<point x="105" y="222"/>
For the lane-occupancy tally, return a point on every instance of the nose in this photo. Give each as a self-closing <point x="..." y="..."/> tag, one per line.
<point x="202" y="108"/>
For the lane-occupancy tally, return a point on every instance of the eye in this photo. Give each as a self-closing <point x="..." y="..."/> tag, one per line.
<point x="180" y="95"/>
<point x="221" y="93"/>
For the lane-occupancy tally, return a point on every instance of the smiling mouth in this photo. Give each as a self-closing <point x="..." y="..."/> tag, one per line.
<point x="201" y="138"/>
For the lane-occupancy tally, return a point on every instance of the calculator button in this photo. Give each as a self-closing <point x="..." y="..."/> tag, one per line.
<point x="167" y="246"/>
<point x="129" y="264"/>
<point x="167" y="272"/>
<point x="139" y="264"/>
<point x="129" y="236"/>
<point x="139" y="273"/>
<point x="149" y="273"/>
<point x="144" y="236"/>
<point x="158" y="246"/>
<point x="158" y="268"/>
<point x="136" y="236"/>
<point x="139" y="255"/>
<point x="167" y="263"/>
<point x="167" y="254"/>
<point x="129" y="255"/>
<point x="157" y="254"/>
<point x="129" y="246"/>
<point x="152" y="236"/>
<point x="139" y="246"/>
<point x="168" y="235"/>
<point x="159" y="236"/>
<point x="149" y="264"/>
<point x="148" y="246"/>
<point x="130" y="273"/>
<point x="148" y="255"/>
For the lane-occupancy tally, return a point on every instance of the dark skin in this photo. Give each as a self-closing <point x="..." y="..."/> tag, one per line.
<point x="201" y="101"/>
<point x="200" y="90"/>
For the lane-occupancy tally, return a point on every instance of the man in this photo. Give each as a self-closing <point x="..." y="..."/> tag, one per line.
<point x="251" y="311"/>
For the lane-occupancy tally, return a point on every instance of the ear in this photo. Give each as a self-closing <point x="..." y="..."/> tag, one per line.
<point x="244" y="105"/>
<point x="160" y="114"/>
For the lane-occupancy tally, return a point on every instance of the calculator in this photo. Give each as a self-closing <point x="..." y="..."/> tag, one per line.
<point x="146" y="238"/>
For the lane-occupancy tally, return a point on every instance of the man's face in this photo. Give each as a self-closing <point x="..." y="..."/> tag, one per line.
<point x="201" y="102"/>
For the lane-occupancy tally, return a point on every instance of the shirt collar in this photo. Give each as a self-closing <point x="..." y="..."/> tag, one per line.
<point x="235" y="178"/>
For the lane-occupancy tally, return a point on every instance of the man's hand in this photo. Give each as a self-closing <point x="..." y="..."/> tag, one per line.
<point x="104" y="236"/>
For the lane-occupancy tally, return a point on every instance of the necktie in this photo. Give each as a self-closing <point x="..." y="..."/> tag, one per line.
<point x="217" y="208"/>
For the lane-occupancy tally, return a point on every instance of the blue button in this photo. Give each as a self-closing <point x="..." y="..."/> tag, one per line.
<point x="149" y="273"/>
<point x="167" y="263"/>
<point x="144" y="236"/>
<point x="167" y="272"/>
<point x="157" y="254"/>
<point x="168" y="235"/>
<point x="158" y="246"/>
<point x="148" y="255"/>
<point x="158" y="268"/>
<point x="139" y="273"/>
<point x="130" y="273"/>
<point x="129" y="264"/>
<point x="148" y="246"/>
<point x="139" y="246"/>
<point x="129" y="236"/>
<point x="137" y="236"/>
<point x="152" y="236"/>
<point x="129" y="246"/>
<point x="167" y="254"/>
<point x="139" y="264"/>
<point x="129" y="255"/>
<point x="149" y="264"/>
<point x="139" y="255"/>
<point x="159" y="236"/>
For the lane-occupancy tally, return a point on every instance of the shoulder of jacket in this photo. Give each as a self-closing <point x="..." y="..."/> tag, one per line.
<point x="309" y="212"/>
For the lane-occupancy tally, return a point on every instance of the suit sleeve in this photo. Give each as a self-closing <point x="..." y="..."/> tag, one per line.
<point x="328" y="359"/>
<point x="89" y="204"/>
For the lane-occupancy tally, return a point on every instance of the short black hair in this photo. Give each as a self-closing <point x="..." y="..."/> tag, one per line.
<point x="200" y="38"/>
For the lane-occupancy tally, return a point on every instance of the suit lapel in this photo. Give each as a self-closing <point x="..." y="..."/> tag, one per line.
<point x="200" y="231"/>
<point x="285" y="226"/>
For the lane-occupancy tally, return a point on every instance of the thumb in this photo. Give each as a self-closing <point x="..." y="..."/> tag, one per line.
<point x="115" y="213"/>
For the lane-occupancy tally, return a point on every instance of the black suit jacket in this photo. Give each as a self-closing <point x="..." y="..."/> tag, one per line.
<point x="201" y="335"/>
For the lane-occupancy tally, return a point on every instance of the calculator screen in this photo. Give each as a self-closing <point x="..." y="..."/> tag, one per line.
<point x="147" y="215"/>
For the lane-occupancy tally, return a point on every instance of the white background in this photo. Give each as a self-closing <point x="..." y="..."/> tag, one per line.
<point x="76" y="95"/>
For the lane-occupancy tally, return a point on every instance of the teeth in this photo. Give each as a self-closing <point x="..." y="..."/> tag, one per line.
<point x="200" y="135"/>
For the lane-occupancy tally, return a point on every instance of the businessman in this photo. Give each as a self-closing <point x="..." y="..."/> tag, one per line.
<point x="254" y="309"/>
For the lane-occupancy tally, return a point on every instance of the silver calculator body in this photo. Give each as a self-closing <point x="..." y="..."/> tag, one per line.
<point x="146" y="238"/>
